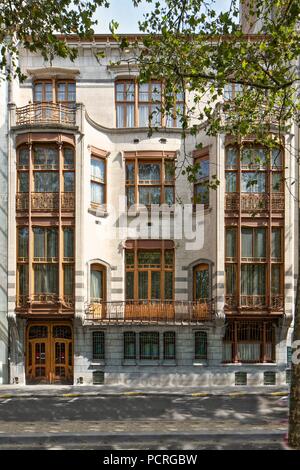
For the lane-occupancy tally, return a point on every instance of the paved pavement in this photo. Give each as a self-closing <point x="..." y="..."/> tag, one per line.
<point x="103" y="390"/>
<point x="166" y="421"/>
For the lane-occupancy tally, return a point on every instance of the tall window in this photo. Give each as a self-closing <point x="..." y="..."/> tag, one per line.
<point x="66" y="92"/>
<point x="97" y="283"/>
<point x="98" y="181"/>
<point x="22" y="263"/>
<point x="231" y="263"/>
<point x="231" y="166"/>
<point x="201" y="282"/>
<point x="200" y="345"/>
<point x="43" y="92"/>
<point x="150" y="182"/>
<point x="174" y="117"/>
<point x="149" y="274"/>
<point x="68" y="262"/>
<point x="150" y="104"/>
<point x="149" y="346"/>
<point x="98" y="345"/>
<point x="201" y="185"/>
<point x="129" y="345"/>
<point x="169" y="345"/>
<point x="125" y="103"/>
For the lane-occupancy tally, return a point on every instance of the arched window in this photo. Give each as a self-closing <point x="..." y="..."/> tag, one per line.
<point x="97" y="283"/>
<point x="201" y="282"/>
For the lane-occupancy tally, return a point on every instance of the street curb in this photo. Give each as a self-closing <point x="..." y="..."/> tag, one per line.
<point x="39" y="438"/>
<point x="143" y="394"/>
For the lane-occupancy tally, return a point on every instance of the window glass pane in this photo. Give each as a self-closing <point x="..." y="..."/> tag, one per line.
<point x="68" y="279"/>
<point x="68" y="181"/>
<point x="203" y="170"/>
<point x="230" y="275"/>
<point x="45" y="156"/>
<point x="45" y="279"/>
<point x="52" y="242"/>
<point x="120" y="115"/>
<point x="23" y="182"/>
<point x="38" y="92"/>
<point x="130" y="172"/>
<point x="230" y="182"/>
<point x="276" y="243"/>
<point x="253" y="182"/>
<point x="277" y="182"/>
<point x="169" y="257"/>
<point x="149" y="172"/>
<point x="231" y="242"/>
<point x="98" y="169"/>
<point x="260" y="243"/>
<point x="68" y="157"/>
<point x="169" y="171"/>
<point x="96" y="285"/>
<point x="169" y="345"/>
<point x="129" y="285"/>
<point x="200" y="345"/>
<point x="149" y="346"/>
<point x="169" y="195"/>
<point x="23" y="156"/>
<point x="68" y="243"/>
<point x="48" y="92"/>
<point x="129" y="258"/>
<point x="129" y="345"/>
<point x="155" y="285"/>
<point x="156" y="91"/>
<point x="231" y="157"/>
<point x="168" y="285"/>
<point x="129" y="115"/>
<point x="130" y="193"/>
<point x="71" y="91"/>
<point x="144" y="115"/>
<point x="276" y="158"/>
<point x="23" y="242"/>
<point x="45" y="182"/>
<point x="276" y="279"/>
<point x="144" y="92"/>
<point x="97" y="193"/>
<point x="253" y="279"/>
<point x="98" y="345"/>
<point x="143" y="285"/>
<point x="201" y="284"/>
<point x="39" y="242"/>
<point x="61" y="92"/>
<point x="149" y="258"/>
<point x="149" y="195"/>
<point x="201" y="195"/>
<point x="23" y="279"/>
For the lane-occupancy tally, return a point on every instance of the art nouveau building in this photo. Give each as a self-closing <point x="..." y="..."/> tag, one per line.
<point x="92" y="302"/>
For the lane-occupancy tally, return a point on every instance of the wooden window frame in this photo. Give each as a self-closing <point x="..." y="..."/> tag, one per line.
<point x="94" y="180"/>
<point x="54" y="82"/>
<point x="124" y="103"/>
<point x="99" y="267"/>
<point x="202" y="181"/>
<point x="162" y="183"/>
<point x="135" y="268"/>
<point x="198" y="268"/>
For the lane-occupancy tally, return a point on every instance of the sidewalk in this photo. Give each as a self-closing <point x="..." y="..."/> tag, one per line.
<point x="28" y="391"/>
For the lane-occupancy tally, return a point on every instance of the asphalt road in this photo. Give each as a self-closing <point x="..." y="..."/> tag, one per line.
<point x="143" y="422"/>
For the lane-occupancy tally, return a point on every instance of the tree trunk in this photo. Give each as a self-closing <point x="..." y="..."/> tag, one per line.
<point x="294" y="408"/>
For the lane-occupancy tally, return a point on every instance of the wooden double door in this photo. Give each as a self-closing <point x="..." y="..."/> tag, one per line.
<point x="49" y="353"/>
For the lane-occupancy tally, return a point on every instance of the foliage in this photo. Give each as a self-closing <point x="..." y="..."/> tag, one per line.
<point x="35" y="23"/>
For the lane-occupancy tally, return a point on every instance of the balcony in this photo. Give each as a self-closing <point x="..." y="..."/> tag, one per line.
<point x="153" y="311"/>
<point x="45" y="202"/>
<point x="254" y="302"/>
<point x="254" y="202"/>
<point x="45" y="300"/>
<point x="46" y="114"/>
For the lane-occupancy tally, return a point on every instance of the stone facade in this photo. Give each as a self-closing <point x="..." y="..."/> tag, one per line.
<point x="96" y="128"/>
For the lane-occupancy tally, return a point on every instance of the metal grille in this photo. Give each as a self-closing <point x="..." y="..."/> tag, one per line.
<point x="288" y="376"/>
<point x="241" y="378"/>
<point x="129" y="345"/>
<point x="200" y="345"/>
<point x="98" y="345"/>
<point x="169" y="345"/>
<point x="269" y="378"/>
<point x="289" y="354"/>
<point x="62" y="332"/>
<point x="149" y="346"/>
<point x="98" y="377"/>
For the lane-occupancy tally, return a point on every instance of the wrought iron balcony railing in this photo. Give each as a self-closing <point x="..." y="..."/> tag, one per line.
<point x="254" y="202"/>
<point x="45" y="201"/>
<point x="24" y="301"/>
<point x="153" y="311"/>
<point x="275" y="302"/>
<point x="46" y="113"/>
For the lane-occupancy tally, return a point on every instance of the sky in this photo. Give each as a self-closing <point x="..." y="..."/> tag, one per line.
<point x="127" y="16"/>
